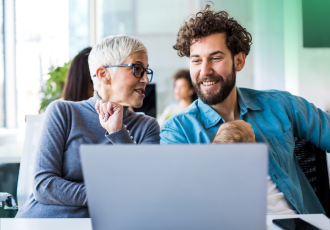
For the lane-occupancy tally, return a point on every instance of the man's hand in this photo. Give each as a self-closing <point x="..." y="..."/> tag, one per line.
<point x="110" y="115"/>
<point x="234" y="131"/>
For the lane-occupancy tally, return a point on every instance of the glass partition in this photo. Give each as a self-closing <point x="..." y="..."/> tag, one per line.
<point x="48" y="33"/>
<point x="2" y="78"/>
<point x="156" y="24"/>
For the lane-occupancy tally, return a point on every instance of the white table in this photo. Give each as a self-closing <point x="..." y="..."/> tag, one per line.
<point x="318" y="220"/>
<point x="45" y="224"/>
<point x="11" y="153"/>
<point x="11" y="145"/>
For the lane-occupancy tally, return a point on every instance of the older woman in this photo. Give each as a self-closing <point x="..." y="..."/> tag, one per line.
<point x="119" y="69"/>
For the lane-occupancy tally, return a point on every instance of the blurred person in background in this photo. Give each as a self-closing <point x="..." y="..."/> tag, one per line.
<point x="78" y="85"/>
<point x="184" y="93"/>
<point x="120" y="73"/>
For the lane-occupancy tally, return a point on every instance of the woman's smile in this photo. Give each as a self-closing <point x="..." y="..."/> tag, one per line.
<point x="140" y="92"/>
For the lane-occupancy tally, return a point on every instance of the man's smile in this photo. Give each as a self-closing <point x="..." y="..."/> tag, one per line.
<point x="209" y="84"/>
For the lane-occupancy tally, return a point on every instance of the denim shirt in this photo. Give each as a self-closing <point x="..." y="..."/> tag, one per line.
<point x="276" y="118"/>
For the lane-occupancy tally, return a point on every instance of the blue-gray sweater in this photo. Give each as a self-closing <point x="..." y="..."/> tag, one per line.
<point x="58" y="189"/>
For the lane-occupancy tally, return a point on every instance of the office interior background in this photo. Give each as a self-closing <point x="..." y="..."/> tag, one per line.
<point x="290" y="51"/>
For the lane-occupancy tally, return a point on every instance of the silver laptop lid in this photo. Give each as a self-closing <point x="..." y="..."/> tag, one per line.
<point x="176" y="186"/>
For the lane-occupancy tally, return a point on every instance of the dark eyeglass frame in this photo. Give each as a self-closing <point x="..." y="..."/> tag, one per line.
<point x="148" y="71"/>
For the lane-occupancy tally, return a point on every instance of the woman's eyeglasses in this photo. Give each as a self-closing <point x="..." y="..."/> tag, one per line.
<point x="138" y="70"/>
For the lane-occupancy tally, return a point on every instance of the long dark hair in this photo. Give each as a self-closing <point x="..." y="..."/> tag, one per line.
<point x="185" y="74"/>
<point x="78" y="83"/>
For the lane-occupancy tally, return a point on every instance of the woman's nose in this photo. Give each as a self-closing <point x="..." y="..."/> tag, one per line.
<point x="145" y="78"/>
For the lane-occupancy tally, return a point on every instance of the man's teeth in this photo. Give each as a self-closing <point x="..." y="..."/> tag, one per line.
<point x="138" y="90"/>
<point x="208" y="83"/>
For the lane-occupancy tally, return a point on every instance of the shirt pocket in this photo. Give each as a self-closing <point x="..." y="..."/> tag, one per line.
<point x="283" y="149"/>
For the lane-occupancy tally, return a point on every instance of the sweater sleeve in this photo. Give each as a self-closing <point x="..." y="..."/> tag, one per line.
<point x="148" y="131"/>
<point x="49" y="187"/>
<point x="152" y="133"/>
<point x="119" y="137"/>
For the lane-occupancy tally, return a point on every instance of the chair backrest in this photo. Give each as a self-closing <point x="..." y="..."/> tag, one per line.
<point x="25" y="176"/>
<point x="328" y="163"/>
<point x="313" y="162"/>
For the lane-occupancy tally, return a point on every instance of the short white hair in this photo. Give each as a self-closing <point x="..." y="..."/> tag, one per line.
<point x="112" y="50"/>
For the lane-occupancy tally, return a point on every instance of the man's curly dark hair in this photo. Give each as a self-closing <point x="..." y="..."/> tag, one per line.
<point x="207" y="22"/>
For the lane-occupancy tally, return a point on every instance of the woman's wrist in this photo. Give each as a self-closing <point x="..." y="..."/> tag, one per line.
<point x="114" y="129"/>
<point x="121" y="137"/>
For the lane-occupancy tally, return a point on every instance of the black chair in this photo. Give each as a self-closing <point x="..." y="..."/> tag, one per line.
<point x="313" y="163"/>
<point x="8" y="184"/>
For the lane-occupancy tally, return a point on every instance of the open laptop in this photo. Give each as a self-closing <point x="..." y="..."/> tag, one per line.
<point x="176" y="186"/>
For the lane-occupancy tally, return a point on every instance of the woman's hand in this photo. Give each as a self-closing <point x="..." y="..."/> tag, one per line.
<point x="110" y="115"/>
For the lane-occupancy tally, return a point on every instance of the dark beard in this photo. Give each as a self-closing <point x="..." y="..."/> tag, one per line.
<point x="225" y="89"/>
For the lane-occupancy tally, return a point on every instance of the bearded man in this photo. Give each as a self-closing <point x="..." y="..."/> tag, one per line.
<point x="217" y="46"/>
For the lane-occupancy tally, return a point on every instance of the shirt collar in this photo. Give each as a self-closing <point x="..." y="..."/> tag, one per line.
<point x="96" y="96"/>
<point x="246" y="102"/>
<point x="211" y="118"/>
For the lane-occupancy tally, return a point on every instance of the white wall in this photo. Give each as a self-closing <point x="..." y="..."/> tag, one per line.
<point x="307" y="69"/>
<point x="278" y="59"/>
<point x="268" y="45"/>
<point x="241" y="10"/>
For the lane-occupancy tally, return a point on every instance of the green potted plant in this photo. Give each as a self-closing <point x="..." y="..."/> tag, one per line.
<point x="52" y="90"/>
